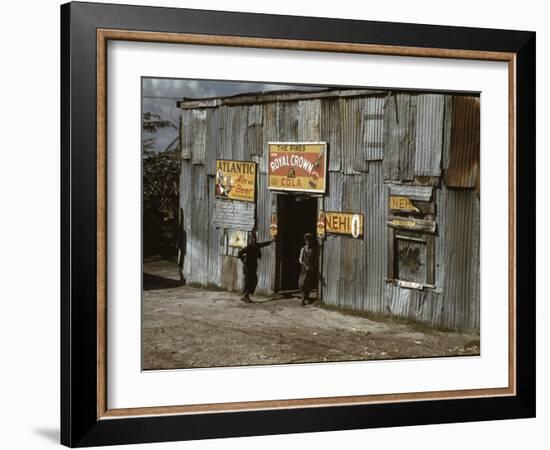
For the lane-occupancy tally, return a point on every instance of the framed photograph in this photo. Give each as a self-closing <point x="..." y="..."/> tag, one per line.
<point x="278" y="224"/>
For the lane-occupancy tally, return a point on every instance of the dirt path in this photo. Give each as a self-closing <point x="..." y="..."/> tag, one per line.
<point x="190" y="327"/>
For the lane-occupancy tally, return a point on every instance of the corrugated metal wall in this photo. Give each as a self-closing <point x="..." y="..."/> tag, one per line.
<point x="377" y="141"/>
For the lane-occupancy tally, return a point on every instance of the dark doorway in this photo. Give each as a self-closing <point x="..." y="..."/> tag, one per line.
<point x="296" y="216"/>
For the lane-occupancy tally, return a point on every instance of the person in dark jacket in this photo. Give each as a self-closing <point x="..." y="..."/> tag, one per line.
<point x="307" y="273"/>
<point x="249" y="255"/>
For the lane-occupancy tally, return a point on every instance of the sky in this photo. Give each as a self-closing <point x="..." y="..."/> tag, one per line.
<point x="159" y="95"/>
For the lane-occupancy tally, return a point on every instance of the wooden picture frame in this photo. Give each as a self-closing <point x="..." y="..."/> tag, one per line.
<point x="86" y="418"/>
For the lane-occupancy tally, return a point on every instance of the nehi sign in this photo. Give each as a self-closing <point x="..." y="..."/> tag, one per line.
<point x="344" y="223"/>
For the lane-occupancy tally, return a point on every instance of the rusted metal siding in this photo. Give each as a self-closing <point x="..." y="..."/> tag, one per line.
<point x="461" y="260"/>
<point x="429" y="134"/>
<point x="379" y="145"/>
<point x="400" y="137"/>
<point x="463" y="170"/>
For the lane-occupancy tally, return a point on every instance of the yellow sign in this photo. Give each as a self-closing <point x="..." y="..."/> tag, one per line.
<point x="402" y="204"/>
<point x="235" y="180"/>
<point x="297" y="166"/>
<point x="404" y="223"/>
<point x="344" y="223"/>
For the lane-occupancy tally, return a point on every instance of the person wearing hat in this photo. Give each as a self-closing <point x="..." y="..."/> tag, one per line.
<point x="307" y="273"/>
<point x="249" y="255"/>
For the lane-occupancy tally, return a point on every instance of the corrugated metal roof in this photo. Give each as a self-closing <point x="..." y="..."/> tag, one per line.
<point x="463" y="170"/>
<point x="429" y="134"/>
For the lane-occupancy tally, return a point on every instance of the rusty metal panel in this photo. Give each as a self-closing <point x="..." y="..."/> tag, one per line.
<point x="309" y="118"/>
<point x="266" y="266"/>
<point x="447" y="127"/>
<point x="461" y="260"/>
<point x="213" y="139"/>
<point x="254" y="137"/>
<point x="233" y="214"/>
<point x="373" y="128"/>
<point x="331" y="132"/>
<point x="429" y="134"/>
<point x="463" y="170"/>
<point x="400" y="137"/>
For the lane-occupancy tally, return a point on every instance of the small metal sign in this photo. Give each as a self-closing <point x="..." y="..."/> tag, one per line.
<point x="235" y="180"/>
<point x="344" y="223"/>
<point x="237" y="238"/>
<point x="297" y="166"/>
<point x="401" y="203"/>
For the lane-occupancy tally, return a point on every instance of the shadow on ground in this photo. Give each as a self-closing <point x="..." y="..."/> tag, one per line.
<point x="156" y="282"/>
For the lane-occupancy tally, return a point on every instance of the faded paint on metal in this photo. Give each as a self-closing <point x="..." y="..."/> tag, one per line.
<point x="463" y="170"/>
<point x="233" y="214"/>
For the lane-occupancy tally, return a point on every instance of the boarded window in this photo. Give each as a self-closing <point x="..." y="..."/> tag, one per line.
<point x="411" y="231"/>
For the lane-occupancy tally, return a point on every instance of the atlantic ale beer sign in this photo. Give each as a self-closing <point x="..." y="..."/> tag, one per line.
<point x="344" y="223"/>
<point x="297" y="166"/>
<point x="235" y="180"/>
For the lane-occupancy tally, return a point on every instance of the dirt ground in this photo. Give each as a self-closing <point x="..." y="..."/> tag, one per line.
<point x="187" y="327"/>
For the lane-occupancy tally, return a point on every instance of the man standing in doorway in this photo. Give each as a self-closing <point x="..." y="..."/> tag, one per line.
<point x="307" y="273"/>
<point x="249" y="255"/>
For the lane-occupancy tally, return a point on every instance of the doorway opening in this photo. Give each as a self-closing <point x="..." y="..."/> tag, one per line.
<point x="296" y="216"/>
